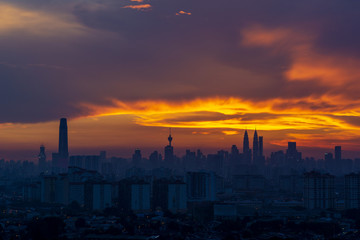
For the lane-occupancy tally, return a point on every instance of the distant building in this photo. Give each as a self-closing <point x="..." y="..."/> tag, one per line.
<point x="48" y="188"/>
<point x="246" y="149"/>
<point x="258" y="155"/>
<point x="319" y="190"/>
<point x="293" y="157"/>
<point x="255" y="148"/>
<point x="97" y="195"/>
<point x="134" y="195"/>
<point x="61" y="158"/>
<point x="352" y="190"/>
<point x="261" y="146"/>
<point x="337" y="153"/>
<point x="169" y="153"/>
<point x="170" y="195"/>
<point x="201" y="186"/>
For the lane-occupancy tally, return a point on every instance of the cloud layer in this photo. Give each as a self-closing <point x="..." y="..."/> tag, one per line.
<point x="290" y="65"/>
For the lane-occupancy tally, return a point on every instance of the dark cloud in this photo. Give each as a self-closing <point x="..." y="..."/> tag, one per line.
<point x="128" y="54"/>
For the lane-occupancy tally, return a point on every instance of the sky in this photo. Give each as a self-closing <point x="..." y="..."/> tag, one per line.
<point x="125" y="71"/>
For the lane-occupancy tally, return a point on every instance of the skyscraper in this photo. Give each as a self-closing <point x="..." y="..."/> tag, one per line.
<point x="319" y="190"/>
<point x="246" y="149"/>
<point x="169" y="152"/>
<point x="337" y="153"/>
<point x="293" y="157"/>
<point x="60" y="160"/>
<point x="63" y="139"/>
<point x="261" y="146"/>
<point x="255" y="148"/>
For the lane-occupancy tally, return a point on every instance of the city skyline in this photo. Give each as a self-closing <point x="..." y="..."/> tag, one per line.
<point x="179" y="119"/>
<point x="254" y="154"/>
<point x="119" y="70"/>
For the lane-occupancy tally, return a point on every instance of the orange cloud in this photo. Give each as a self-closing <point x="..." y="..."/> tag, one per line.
<point x="183" y="13"/>
<point x="229" y="132"/>
<point x="138" y="7"/>
<point x="231" y="115"/>
<point x="282" y="114"/>
<point x="307" y="64"/>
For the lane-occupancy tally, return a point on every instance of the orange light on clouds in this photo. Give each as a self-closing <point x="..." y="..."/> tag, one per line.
<point x="138" y="7"/>
<point x="234" y="114"/>
<point x="307" y="64"/>
<point x="183" y="13"/>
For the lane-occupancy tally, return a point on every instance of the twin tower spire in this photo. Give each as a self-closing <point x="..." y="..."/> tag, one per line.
<point x="257" y="153"/>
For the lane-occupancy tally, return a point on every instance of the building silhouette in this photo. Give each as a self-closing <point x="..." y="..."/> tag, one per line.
<point x="169" y="152"/>
<point x="169" y="195"/>
<point x="246" y="149"/>
<point x="255" y="147"/>
<point x="61" y="158"/>
<point x="293" y="157"/>
<point x="319" y="190"/>
<point x="352" y="190"/>
<point x="337" y="153"/>
<point x="63" y="139"/>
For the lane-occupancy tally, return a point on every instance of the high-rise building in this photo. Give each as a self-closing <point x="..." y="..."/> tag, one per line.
<point x="293" y="157"/>
<point x="337" y="153"/>
<point x="169" y="152"/>
<point x="42" y="159"/>
<point x="60" y="159"/>
<point x="255" y="147"/>
<point x="319" y="190"/>
<point x="97" y="195"/>
<point x="261" y="146"/>
<point x="352" y="190"/>
<point x="134" y="195"/>
<point x="330" y="162"/>
<point x="246" y="149"/>
<point x="63" y="139"/>
<point x="48" y="189"/>
<point x="169" y="195"/>
<point x="201" y="186"/>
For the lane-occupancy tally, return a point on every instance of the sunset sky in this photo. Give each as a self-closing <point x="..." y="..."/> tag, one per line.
<point x="124" y="71"/>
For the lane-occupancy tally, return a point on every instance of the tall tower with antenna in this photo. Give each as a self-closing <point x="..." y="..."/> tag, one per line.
<point x="170" y="137"/>
<point x="169" y="152"/>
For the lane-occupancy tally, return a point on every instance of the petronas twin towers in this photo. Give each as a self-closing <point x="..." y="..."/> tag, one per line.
<point x="256" y="157"/>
